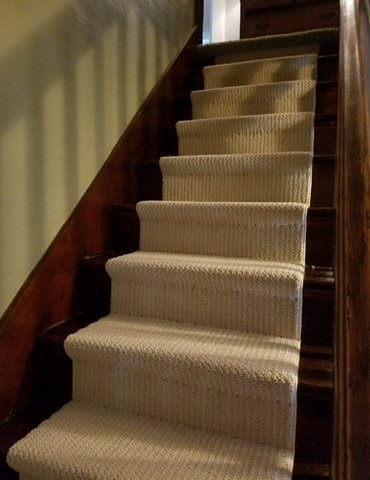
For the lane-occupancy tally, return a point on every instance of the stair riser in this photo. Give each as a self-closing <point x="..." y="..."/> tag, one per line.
<point x="283" y="132"/>
<point x="238" y="178"/>
<point x="244" y="233"/>
<point x="261" y="71"/>
<point x="173" y="301"/>
<point x="281" y="97"/>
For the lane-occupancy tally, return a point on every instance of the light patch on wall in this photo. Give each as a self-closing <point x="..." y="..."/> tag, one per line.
<point x="93" y="14"/>
<point x="73" y="73"/>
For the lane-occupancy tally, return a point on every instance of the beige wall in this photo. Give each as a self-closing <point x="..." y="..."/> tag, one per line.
<point x="72" y="75"/>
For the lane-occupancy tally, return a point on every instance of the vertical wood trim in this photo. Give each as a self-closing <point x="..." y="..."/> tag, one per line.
<point x="352" y="460"/>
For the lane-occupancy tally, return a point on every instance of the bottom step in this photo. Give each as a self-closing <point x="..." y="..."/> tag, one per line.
<point x="89" y="442"/>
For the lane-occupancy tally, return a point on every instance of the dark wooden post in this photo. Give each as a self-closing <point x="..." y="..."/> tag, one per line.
<point x="352" y="460"/>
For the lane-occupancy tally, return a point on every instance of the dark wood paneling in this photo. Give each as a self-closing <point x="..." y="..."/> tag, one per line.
<point x="288" y="19"/>
<point x="125" y="228"/>
<point x="320" y="237"/>
<point x="318" y="315"/>
<point x="323" y="173"/>
<point x="149" y="181"/>
<point x="352" y="460"/>
<point x="327" y="68"/>
<point x="326" y="97"/>
<point x="250" y="5"/>
<point x="52" y="294"/>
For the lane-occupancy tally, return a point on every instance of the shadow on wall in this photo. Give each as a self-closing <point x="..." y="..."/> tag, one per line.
<point x="67" y="92"/>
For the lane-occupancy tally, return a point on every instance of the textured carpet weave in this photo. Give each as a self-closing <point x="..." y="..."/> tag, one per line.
<point x="246" y="55"/>
<point x="277" y="177"/>
<point x="267" y="70"/>
<point x="280" y="132"/>
<point x="281" y="97"/>
<point x="106" y="444"/>
<point x="270" y="43"/>
<point x="216" y="379"/>
<point x="259" y="230"/>
<point x="229" y="293"/>
<point x="193" y="375"/>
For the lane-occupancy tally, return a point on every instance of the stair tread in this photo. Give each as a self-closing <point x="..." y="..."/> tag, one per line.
<point x="269" y="120"/>
<point x="315" y="366"/>
<point x="139" y="448"/>
<point x="174" y="346"/>
<point x="320" y="85"/>
<point x="204" y="262"/>
<point x="315" y="277"/>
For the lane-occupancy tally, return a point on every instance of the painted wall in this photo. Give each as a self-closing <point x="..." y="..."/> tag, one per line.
<point x="72" y="75"/>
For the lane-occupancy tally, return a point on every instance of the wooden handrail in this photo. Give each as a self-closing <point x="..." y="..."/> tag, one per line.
<point x="352" y="436"/>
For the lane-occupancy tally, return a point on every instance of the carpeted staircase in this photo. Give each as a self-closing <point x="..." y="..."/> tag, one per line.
<point x="193" y="375"/>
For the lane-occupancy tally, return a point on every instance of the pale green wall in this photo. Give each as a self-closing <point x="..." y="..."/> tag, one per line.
<point x="72" y="75"/>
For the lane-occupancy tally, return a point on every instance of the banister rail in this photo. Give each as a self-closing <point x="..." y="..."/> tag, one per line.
<point x="352" y="435"/>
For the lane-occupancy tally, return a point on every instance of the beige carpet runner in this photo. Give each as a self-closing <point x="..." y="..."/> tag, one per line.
<point x="267" y="70"/>
<point x="193" y="375"/>
<point x="286" y="176"/>
<point x="280" y="97"/>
